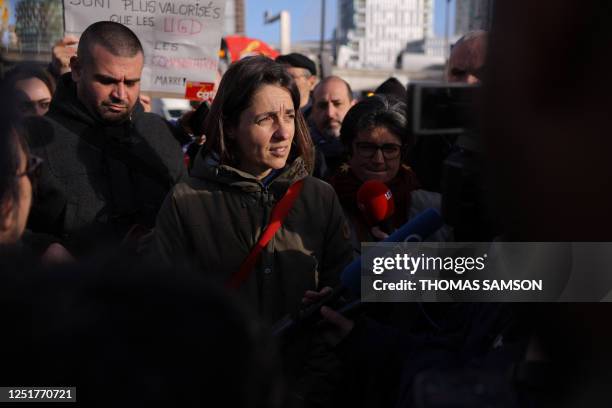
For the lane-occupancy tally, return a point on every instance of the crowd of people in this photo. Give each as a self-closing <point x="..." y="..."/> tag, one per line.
<point x="127" y="267"/>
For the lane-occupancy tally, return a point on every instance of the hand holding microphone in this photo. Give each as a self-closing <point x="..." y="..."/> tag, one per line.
<point x="417" y="229"/>
<point x="339" y="326"/>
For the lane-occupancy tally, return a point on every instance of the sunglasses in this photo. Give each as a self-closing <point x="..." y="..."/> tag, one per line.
<point x="390" y="151"/>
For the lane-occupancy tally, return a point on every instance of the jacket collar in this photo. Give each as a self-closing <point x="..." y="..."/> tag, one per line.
<point x="208" y="167"/>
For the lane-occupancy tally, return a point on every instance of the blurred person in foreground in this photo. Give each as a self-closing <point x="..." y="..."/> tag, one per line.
<point x="107" y="164"/>
<point x="35" y="86"/>
<point x="257" y="153"/>
<point x="304" y="73"/>
<point x="546" y="128"/>
<point x="152" y="335"/>
<point x="374" y="135"/>
<point x="17" y="173"/>
<point x="331" y="100"/>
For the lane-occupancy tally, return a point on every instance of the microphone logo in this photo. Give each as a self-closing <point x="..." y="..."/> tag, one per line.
<point x="375" y="201"/>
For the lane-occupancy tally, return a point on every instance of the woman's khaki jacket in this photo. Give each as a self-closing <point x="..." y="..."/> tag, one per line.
<point x="214" y="219"/>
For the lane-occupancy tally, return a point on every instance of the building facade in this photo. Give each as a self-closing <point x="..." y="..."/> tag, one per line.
<point x="373" y="33"/>
<point x="38" y="24"/>
<point x="234" y="17"/>
<point x="472" y="15"/>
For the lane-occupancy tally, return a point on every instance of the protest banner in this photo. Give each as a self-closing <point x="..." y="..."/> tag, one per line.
<point x="181" y="39"/>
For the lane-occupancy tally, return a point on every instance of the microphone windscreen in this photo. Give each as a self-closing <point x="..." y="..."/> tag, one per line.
<point x="375" y="200"/>
<point x="417" y="229"/>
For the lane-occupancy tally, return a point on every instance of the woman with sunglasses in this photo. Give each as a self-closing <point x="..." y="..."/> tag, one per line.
<point x="374" y="135"/>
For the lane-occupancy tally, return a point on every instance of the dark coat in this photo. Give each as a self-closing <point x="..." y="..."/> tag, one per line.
<point x="386" y="366"/>
<point x="217" y="216"/>
<point x="330" y="154"/>
<point x="99" y="179"/>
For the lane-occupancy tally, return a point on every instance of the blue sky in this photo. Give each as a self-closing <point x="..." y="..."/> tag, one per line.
<point x="305" y="18"/>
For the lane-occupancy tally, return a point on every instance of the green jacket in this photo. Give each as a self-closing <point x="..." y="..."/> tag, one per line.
<point x="216" y="217"/>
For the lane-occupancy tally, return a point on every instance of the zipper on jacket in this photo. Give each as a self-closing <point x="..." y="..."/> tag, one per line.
<point x="264" y="201"/>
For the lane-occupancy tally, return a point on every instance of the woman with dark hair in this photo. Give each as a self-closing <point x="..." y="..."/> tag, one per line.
<point x="375" y="137"/>
<point x="34" y="85"/>
<point x="227" y="219"/>
<point x="17" y="169"/>
<point x="257" y="148"/>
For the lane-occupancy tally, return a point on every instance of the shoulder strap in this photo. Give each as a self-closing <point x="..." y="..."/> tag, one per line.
<point x="279" y="212"/>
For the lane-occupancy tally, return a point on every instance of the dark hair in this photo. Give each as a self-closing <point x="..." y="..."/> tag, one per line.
<point x="392" y="87"/>
<point x="114" y="37"/>
<point x="470" y="36"/>
<point x="236" y="90"/>
<point x="333" y="78"/>
<point x="27" y="70"/>
<point x="373" y="112"/>
<point x="9" y="163"/>
<point x="11" y="140"/>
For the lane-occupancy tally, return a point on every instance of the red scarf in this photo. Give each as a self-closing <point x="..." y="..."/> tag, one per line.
<point x="347" y="184"/>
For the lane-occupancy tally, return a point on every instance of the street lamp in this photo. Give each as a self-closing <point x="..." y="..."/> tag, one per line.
<point x="446" y="30"/>
<point x="285" y="29"/>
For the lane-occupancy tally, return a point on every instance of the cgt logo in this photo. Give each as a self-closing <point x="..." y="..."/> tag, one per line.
<point x="199" y="91"/>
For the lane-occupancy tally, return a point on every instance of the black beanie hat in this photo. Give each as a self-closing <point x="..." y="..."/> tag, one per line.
<point x="298" y="61"/>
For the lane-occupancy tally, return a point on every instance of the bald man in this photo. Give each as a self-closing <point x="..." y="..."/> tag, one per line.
<point x="467" y="58"/>
<point x="331" y="100"/>
<point x="108" y="165"/>
<point x="465" y="65"/>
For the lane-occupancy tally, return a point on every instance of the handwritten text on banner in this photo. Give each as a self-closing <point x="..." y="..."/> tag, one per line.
<point x="181" y="38"/>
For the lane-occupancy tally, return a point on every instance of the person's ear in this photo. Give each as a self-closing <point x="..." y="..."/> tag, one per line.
<point x="6" y="215"/>
<point x="75" y="68"/>
<point x="312" y="81"/>
<point x="353" y="102"/>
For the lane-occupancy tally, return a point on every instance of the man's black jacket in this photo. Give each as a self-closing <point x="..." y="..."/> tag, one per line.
<point x="99" y="179"/>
